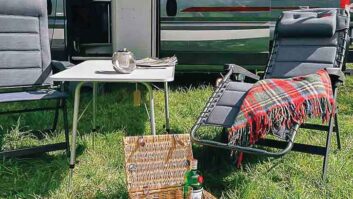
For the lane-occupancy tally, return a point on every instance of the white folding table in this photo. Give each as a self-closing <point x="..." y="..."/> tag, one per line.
<point x="96" y="71"/>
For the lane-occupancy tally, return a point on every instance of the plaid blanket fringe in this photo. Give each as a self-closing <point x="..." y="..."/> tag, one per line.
<point x="273" y="106"/>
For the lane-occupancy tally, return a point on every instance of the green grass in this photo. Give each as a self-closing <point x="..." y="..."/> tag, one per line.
<point x="100" y="169"/>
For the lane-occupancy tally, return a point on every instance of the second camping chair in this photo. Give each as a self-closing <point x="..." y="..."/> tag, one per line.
<point x="304" y="42"/>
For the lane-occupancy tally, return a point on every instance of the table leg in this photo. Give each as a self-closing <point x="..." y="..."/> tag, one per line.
<point x="152" y="117"/>
<point x="74" y="131"/>
<point x="94" y="112"/>
<point x="166" y="108"/>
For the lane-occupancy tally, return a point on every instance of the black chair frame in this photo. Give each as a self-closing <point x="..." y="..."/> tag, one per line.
<point x="61" y="105"/>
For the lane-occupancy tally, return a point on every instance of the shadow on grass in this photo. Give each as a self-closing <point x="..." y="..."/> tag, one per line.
<point x="217" y="164"/>
<point x="38" y="176"/>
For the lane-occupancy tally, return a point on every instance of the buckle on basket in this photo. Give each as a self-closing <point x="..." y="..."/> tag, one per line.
<point x="132" y="167"/>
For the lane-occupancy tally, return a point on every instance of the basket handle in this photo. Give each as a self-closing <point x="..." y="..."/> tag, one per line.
<point x="175" y="142"/>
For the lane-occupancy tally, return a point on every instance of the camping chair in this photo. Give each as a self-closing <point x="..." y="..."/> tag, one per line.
<point x="304" y="41"/>
<point x="25" y="65"/>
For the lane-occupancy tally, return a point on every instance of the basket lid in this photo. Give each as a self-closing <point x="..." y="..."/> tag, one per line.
<point x="156" y="162"/>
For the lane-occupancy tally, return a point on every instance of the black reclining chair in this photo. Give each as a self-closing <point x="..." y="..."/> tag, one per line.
<point x="305" y="41"/>
<point x="25" y="65"/>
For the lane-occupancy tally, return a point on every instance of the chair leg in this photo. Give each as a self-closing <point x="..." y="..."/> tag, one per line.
<point x="337" y="130"/>
<point x="224" y="137"/>
<point x="328" y="142"/>
<point x="56" y="116"/>
<point x="66" y="126"/>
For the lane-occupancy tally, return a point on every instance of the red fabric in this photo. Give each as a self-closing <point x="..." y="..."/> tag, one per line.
<point x="344" y="3"/>
<point x="272" y="105"/>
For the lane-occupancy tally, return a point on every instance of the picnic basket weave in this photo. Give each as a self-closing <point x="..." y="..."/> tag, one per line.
<point x="155" y="166"/>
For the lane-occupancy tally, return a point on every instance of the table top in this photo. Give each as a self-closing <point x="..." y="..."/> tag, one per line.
<point x="102" y="71"/>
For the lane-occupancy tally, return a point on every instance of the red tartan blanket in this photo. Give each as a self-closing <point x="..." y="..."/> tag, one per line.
<point x="276" y="105"/>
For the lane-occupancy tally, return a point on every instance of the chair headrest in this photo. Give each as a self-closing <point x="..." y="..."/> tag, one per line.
<point x="34" y="8"/>
<point x="308" y="23"/>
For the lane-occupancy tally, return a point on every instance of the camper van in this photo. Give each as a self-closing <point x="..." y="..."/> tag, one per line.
<point x="202" y="34"/>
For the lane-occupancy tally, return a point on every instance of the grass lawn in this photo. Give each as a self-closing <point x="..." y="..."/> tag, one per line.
<point x="100" y="169"/>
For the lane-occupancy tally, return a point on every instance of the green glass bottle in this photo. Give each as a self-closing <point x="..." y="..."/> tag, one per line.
<point x="193" y="182"/>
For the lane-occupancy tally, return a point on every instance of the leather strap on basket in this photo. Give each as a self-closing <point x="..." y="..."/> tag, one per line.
<point x="140" y="143"/>
<point x="146" y="191"/>
<point x="175" y="141"/>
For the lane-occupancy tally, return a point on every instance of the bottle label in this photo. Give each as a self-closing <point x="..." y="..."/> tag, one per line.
<point x="196" y="194"/>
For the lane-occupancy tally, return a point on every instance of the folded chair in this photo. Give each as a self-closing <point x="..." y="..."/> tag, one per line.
<point x="304" y="42"/>
<point x="25" y="65"/>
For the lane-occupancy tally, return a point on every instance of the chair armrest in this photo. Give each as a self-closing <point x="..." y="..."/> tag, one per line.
<point x="245" y="149"/>
<point x="58" y="66"/>
<point x="336" y="74"/>
<point x="238" y="70"/>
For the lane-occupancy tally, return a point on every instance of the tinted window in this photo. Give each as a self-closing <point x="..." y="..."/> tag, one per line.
<point x="57" y="7"/>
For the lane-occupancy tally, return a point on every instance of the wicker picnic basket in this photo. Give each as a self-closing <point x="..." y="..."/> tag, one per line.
<point x="155" y="166"/>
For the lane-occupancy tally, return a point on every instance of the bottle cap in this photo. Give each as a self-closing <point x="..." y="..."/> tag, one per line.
<point x="194" y="164"/>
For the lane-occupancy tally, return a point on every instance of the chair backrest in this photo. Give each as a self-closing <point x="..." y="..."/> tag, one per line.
<point x="308" y="40"/>
<point x="24" y="43"/>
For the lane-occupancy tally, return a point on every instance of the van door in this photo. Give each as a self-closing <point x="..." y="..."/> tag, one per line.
<point x="207" y="34"/>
